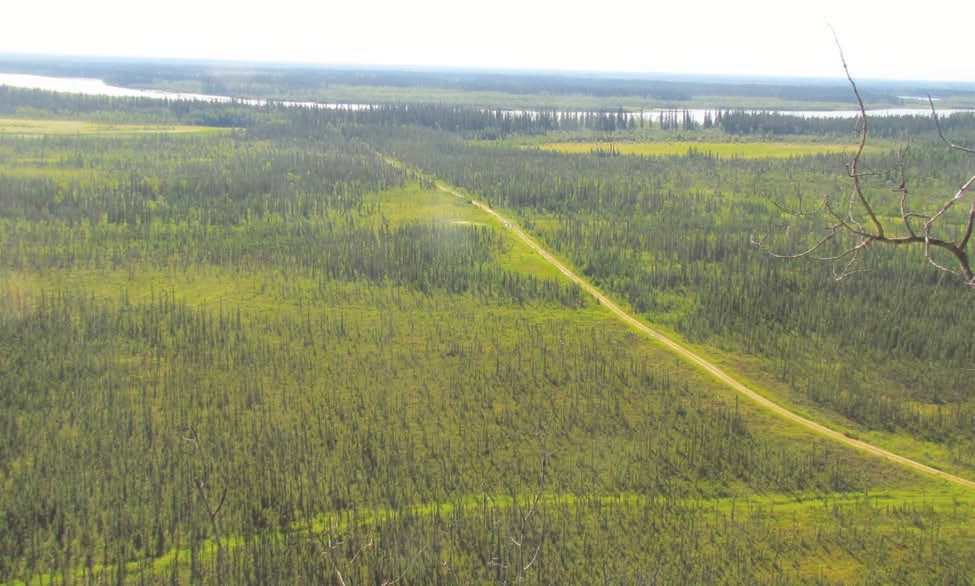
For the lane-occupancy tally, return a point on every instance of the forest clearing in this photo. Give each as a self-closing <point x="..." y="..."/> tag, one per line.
<point x="748" y="150"/>
<point x="40" y="128"/>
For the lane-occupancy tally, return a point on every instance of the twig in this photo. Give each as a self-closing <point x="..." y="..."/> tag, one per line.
<point x="201" y="486"/>
<point x="857" y="235"/>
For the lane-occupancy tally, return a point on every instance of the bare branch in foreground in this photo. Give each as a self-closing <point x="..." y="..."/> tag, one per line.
<point x="201" y="484"/>
<point x="848" y="234"/>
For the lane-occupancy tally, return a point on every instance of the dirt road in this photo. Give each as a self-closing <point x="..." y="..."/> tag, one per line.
<point x="709" y="367"/>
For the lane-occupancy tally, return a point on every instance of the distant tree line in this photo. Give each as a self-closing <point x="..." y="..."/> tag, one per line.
<point x="278" y="119"/>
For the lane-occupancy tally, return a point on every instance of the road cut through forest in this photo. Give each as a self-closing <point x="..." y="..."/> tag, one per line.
<point x="707" y="366"/>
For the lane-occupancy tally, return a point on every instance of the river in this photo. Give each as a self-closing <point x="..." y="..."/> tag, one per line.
<point x="97" y="87"/>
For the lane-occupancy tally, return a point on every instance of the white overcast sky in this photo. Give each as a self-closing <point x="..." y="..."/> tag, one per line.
<point x="897" y="40"/>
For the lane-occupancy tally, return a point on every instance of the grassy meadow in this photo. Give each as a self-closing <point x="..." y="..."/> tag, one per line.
<point x="52" y="127"/>
<point x="745" y="150"/>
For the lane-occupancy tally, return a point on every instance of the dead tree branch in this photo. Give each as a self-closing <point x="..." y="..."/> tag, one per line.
<point x="201" y="483"/>
<point x="328" y="547"/>
<point x="849" y="232"/>
<point x="526" y="528"/>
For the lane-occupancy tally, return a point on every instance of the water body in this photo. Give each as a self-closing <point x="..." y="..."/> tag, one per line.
<point x="97" y="87"/>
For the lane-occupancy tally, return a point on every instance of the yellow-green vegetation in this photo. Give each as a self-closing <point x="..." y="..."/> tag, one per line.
<point x="745" y="150"/>
<point x="58" y="127"/>
<point x="274" y="356"/>
<point x="418" y="204"/>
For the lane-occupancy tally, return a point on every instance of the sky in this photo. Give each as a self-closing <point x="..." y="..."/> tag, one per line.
<point x="923" y="41"/>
